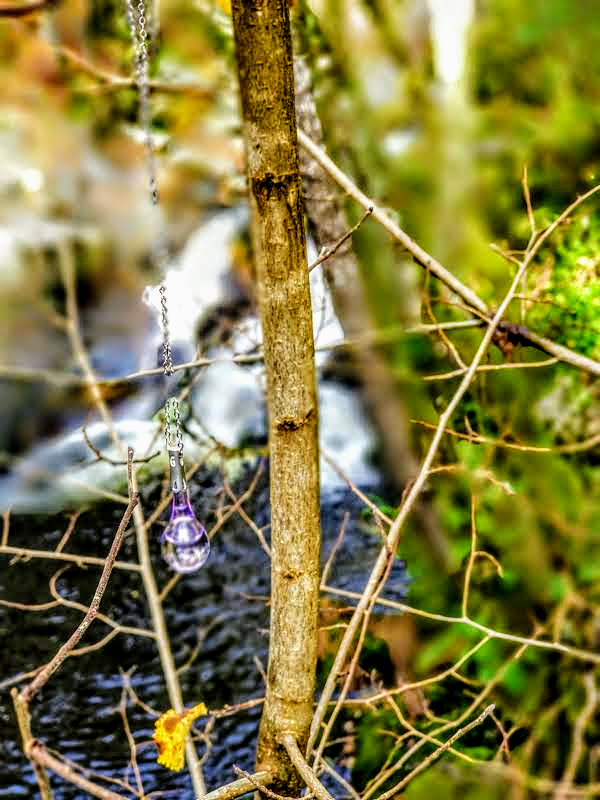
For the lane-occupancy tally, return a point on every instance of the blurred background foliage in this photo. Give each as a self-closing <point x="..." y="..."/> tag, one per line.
<point x="451" y="171"/>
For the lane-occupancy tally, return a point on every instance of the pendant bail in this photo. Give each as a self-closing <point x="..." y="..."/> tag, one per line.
<point x="177" y="471"/>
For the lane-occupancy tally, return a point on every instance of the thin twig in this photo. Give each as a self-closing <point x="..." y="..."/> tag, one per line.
<point x="130" y="740"/>
<point x="395" y="790"/>
<point x="242" y="786"/>
<point x="227" y="710"/>
<point x="24" y="724"/>
<point x="578" y="743"/>
<point x="115" y="81"/>
<point x="22" y="9"/>
<point x="477" y="438"/>
<point x="5" y="528"/>
<point x="308" y="775"/>
<point x="75" y="558"/>
<point x="527" y="196"/>
<point x="263" y="789"/>
<point x="40" y="680"/>
<point x="327" y="252"/>
<point x="429" y="263"/>
<point x="408" y="687"/>
<point x="336" y="546"/>
<point x="559" y="647"/>
<point x="100" y="456"/>
<point x="67" y="534"/>
<point x="39" y="755"/>
<point x="378" y="513"/>
<point x="342" y="781"/>
<point x="456" y="373"/>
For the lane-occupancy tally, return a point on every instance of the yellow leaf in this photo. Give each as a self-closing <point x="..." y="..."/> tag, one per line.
<point x="170" y="732"/>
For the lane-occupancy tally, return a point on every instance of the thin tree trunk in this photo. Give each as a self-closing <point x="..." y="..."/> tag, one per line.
<point x="265" y="70"/>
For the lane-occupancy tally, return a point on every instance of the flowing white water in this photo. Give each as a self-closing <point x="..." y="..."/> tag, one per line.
<point x="450" y="21"/>
<point x="227" y="402"/>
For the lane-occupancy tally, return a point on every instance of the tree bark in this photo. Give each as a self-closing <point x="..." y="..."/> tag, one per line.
<point x="266" y="79"/>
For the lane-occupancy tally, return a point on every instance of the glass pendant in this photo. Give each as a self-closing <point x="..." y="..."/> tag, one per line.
<point x="185" y="544"/>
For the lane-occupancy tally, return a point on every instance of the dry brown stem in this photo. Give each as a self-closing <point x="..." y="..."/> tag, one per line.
<point x="42" y="677"/>
<point x="429" y="263"/>
<point x="242" y="786"/>
<point x="39" y="755"/>
<point x="112" y="80"/>
<point x="308" y="775"/>
<point x="395" y="790"/>
<point x="23" y="9"/>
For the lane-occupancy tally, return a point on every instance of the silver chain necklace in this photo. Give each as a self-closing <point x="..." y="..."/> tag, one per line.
<point x="185" y="544"/>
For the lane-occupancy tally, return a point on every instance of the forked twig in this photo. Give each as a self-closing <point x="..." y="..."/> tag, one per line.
<point x="42" y="677"/>
<point x="422" y="765"/>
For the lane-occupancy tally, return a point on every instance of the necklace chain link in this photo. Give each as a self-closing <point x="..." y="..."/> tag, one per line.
<point x="184" y="541"/>
<point x="159" y="252"/>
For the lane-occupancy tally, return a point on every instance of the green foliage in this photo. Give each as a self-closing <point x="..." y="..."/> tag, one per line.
<point x="372" y="744"/>
<point x="566" y="288"/>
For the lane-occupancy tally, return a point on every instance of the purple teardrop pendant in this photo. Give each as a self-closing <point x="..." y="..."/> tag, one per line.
<point x="185" y="545"/>
<point x="184" y="542"/>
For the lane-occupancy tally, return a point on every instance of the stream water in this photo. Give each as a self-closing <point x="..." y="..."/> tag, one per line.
<point x="222" y="606"/>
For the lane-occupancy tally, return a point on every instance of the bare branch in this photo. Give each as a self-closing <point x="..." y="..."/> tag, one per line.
<point x="327" y="252"/>
<point x="342" y="781"/>
<point x="456" y="373"/>
<point x="239" y="787"/>
<point x="26" y="553"/>
<point x="39" y="755"/>
<point x="581" y="723"/>
<point x="477" y="438"/>
<point x="395" y="790"/>
<point x="129" y="735"/>
<point x="100" y="456"/>
<point x="559" y="647"/>
<point x="423" y="258"/>
<point x="265" y="789"/>
<point x="114" y="81"/>
<point x="22" y="9"/>
<point x="40" y="680"/>
<point x="427" y="261"/>
<point x="308" y="775"/>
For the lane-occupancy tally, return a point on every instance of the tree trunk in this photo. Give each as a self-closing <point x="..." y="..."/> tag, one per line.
<point x="265" y="70"/>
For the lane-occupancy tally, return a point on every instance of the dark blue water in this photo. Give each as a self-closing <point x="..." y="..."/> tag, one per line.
<point x="77" y="712"/>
